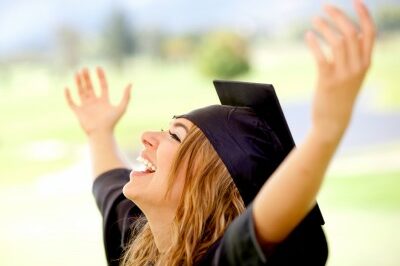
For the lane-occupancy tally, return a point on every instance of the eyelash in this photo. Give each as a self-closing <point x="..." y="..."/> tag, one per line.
<point x="174" y="136"/>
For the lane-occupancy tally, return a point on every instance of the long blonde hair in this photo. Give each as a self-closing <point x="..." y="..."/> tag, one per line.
<point x="209" y="203"/>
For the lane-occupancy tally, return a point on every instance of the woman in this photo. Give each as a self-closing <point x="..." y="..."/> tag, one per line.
<point x="192" y="205"/>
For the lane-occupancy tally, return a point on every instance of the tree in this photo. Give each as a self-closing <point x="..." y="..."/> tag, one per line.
<point x="119" y="39"/>
<point x="388" y="19"/>
<point x="68" y="42"/>
<point x="223" y="55"/>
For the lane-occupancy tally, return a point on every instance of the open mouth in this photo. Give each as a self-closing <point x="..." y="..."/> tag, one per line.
<point x="148" y="171"/>
<point x="146" y="167"/>
<point x="140" y="173"/>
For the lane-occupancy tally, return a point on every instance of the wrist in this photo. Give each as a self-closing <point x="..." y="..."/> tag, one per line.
<point x="100" y="133"/>
<point x="327" y="136"/>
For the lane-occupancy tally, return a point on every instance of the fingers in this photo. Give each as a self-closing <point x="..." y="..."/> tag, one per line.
<point x="84" y="84"/>
<point x="367" y="30"/>
<point x="103" y="82"/>
<point x="125" y="99"/>
<point x="350" y="34"/>
<point x="317" y="51"/>
<point x="87" y="82"/>
<point x="351" y="49"/>
<point x="81" y="89"/>
<point x="86" y="90"/>
<point x="70" y="102"/>
<point x="335" y="41"/>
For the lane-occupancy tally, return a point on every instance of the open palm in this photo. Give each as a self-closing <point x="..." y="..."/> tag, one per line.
<point x="95" y="113"/>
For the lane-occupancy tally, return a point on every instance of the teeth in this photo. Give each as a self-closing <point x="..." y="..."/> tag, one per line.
<point x="148" y="164"/>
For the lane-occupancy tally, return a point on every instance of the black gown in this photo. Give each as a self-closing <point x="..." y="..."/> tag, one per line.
<point x="306" y="245"/>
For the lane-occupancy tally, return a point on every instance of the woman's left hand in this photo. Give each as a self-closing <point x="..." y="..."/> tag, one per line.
<point x="296" y="182"/>
<point x="341" y="75"/>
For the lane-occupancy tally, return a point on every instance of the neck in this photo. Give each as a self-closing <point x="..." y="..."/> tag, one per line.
<point x="160" y="224"/>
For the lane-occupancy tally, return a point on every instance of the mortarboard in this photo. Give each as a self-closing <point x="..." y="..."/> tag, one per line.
<point x="250" y="134"/>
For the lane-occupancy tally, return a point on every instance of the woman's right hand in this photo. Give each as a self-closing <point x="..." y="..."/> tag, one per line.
<point x="96" y="114"/>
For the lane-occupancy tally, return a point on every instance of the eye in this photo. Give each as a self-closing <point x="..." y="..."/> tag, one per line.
<point x="174" y="136"/>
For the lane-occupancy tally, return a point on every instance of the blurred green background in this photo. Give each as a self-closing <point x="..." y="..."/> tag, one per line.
<point x="171" y="52"/>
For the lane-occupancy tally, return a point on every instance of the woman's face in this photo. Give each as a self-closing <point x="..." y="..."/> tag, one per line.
<point x="147" y="190"/>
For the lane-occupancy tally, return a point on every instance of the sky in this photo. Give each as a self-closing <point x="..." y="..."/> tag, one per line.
<point x="30" y="24"/>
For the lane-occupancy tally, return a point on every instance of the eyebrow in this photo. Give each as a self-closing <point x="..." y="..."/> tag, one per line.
<point x="179" y="124"/>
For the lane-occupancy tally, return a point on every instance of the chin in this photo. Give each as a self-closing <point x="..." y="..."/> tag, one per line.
<point x="127" y="190"/>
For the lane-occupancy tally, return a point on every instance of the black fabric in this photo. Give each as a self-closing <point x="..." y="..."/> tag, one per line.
<point x="117" y="211"/>
<point x="238" y="246"/>
<point x="263" y="100"/>
<point x="306" y="245"/>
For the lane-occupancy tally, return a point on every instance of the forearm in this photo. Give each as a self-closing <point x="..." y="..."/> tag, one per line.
<point x="290" y="192"/>
<point x="105" y="154"/>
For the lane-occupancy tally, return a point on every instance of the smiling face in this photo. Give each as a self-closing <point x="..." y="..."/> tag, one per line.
<point x="148" y="190"/>
<point x="203" y="197"/>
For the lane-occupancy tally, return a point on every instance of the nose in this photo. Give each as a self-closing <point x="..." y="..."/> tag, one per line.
<point x="150" y="139"/>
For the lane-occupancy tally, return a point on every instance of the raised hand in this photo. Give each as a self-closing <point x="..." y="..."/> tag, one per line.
<point x="95" y="113"/>
<point x="340" y="76"/>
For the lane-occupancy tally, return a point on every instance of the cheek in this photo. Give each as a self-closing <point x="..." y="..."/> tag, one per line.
<point x="177" y="188"/>
<point x="159" y="184"/>
<point x="165" y="156"/>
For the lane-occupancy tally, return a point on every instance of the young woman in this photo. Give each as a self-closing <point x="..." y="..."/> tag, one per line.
<point x="204" y="198"/>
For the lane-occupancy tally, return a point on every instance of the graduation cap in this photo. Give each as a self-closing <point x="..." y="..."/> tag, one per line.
<point x="249" y="132"/>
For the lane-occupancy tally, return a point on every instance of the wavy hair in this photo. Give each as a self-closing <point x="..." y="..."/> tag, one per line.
<point x="208" y="204"/>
